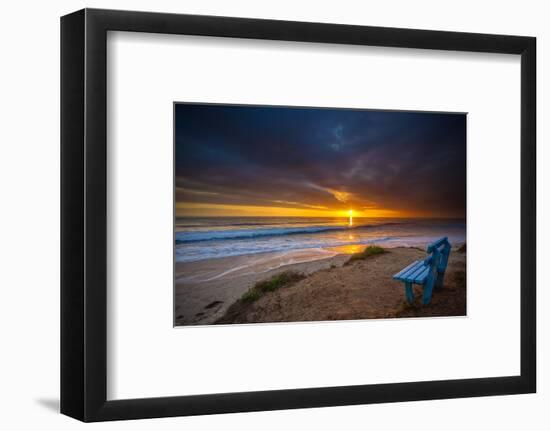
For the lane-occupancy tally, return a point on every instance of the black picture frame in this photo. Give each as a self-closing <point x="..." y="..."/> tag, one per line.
<point x="84" y="214"/>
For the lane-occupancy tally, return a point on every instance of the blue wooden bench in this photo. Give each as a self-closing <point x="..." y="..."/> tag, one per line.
<point x="426" y="272"/>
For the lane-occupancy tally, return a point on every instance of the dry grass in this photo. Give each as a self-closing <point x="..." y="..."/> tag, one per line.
<point x="276" y="282"/>
<point x="368" y="252"/>
<point x="284" y="279"/>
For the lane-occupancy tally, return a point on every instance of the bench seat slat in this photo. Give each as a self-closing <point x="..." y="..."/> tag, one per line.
<point x="405" y="274"/>
<point x="412" y="276"/>
<point x="406" y="269"/>
<point x="413" y="270"/>
<point x="414" y="273"/>
<point x="420" y="278"/>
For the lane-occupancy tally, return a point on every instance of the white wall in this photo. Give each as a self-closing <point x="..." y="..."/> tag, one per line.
<point x="29" y="227"/>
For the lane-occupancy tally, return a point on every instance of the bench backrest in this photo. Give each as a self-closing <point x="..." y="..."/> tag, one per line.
<point x="438" y="254"/>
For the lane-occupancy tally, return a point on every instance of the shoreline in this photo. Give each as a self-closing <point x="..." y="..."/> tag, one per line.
<point x="216" y="284"/>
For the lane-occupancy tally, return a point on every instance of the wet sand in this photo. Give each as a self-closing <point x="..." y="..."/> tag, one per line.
<point x="331" y="291"/>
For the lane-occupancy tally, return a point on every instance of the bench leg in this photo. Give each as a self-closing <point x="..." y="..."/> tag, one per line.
<point x="439" y="281"/>
<point x="428" y="287"/>
<point x="409" y="292"/>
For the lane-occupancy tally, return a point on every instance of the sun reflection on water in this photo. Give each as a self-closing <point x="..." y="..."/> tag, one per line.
<point x="349" y="248"/>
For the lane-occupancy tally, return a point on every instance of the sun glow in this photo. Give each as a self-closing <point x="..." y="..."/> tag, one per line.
<point x="197" y="209"/>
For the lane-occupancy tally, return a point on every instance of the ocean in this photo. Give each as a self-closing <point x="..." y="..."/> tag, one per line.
<point x="206" y="238"/>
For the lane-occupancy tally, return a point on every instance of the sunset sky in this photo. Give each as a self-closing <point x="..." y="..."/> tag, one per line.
<point x="276" y="161"/>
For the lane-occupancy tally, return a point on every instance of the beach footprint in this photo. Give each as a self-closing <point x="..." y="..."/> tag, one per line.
<point x="213" y="304"/>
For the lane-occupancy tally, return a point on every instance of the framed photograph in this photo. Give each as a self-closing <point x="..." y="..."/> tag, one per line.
<point x="262" y="215"/>
<point x="312" y="224"/>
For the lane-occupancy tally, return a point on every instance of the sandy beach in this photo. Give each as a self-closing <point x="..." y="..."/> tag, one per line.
<point x="331" y="289"/>
<point x="205" y="296"/>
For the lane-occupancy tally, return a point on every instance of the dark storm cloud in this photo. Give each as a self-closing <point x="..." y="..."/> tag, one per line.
<point x="303" y="157"/>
